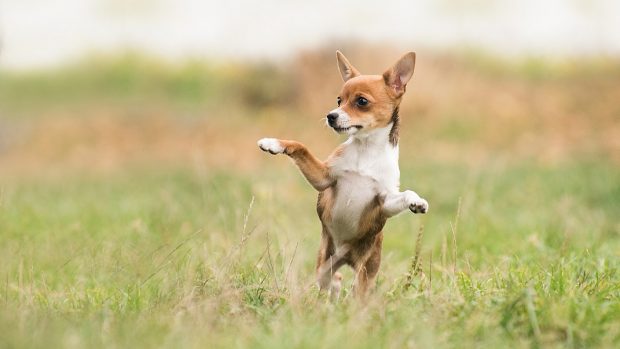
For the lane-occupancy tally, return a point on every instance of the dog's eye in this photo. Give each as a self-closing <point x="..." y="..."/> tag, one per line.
<point x="338" y="100"/>
<point x="361" y="102"/>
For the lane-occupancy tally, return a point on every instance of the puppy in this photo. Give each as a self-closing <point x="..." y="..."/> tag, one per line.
<point x="359" y="182"/>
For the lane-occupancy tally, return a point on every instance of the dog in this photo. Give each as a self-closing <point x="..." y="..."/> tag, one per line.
<point x="359" y="182"/>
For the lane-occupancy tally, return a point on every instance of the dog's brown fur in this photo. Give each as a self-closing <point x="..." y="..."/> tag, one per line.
<point x="363" y="252"/>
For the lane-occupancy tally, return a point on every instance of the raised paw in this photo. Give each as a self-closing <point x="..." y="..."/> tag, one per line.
<point x="271" y="145"/>
<point x="416" y="203"/>
<point x="419" y="206"/>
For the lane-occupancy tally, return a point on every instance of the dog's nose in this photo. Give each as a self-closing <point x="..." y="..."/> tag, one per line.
<point x="331" y="117"/>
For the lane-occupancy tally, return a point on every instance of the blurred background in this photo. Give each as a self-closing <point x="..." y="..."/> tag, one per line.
<point x="98" y="85"/>
<point x="130" y="178"/>
<point x="101" y="84"/>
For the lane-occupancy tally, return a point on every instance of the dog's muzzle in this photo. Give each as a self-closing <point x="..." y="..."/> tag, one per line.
<point x="332" y="119"/>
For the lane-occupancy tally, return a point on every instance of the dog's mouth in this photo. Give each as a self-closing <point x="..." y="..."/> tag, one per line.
<point x="346" y="129"/>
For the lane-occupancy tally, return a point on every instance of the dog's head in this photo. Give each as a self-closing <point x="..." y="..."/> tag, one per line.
<point x="367" y="102"/>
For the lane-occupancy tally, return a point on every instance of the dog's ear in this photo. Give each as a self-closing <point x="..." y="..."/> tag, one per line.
<point x="347" y="71"/>
<point x="399" y="75"/>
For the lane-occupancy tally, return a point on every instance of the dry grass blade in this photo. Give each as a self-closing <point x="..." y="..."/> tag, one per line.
<point x="415" y="269"/>
<point x="245" y="234"/>
<point x="430" y="273"/>
<point x="290" y="264"/>
<point x="270" y="263"/>
<point x="531" y="313"/>
<point x="454" y="227"/>
<point x="167" y="259"/>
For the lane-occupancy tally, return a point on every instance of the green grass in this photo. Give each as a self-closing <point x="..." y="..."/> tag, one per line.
<point x="158" y="257"/>
<point x="105" y="242"/>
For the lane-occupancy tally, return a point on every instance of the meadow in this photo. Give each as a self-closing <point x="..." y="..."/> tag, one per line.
<point x="137" y="211"/>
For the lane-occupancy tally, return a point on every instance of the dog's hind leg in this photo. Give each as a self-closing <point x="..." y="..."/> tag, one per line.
<point x="367" y="267"/>
<point x="329" y="260"/>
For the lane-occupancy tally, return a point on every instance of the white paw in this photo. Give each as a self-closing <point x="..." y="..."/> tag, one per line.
<point x="335" y="287"/>
<point x="416" y="203"/>
<point x="271" y="145"/>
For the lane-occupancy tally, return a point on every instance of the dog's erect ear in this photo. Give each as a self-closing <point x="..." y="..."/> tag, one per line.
<point x="346" y="69"/>
<point x="399" y="75"/>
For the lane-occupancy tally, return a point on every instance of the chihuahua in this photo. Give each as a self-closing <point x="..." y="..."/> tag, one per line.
<point x="359" y="182"/>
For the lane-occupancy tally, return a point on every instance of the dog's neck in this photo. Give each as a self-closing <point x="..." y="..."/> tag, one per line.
<point x="379" y="136"/>
<point x="394" y="131"/>
<point x="370" y="154"/>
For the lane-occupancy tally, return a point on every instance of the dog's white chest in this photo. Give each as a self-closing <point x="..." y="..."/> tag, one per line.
<point x="362" y="172"/>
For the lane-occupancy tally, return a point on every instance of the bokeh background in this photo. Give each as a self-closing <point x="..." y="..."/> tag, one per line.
<point x="102" y="84"/>
<point x="136" y="209"/>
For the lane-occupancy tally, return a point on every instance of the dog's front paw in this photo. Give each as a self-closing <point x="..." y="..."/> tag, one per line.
<point x="416" y="203"/>
<point x="420" y="206"/>
<point x="271" y="145"/>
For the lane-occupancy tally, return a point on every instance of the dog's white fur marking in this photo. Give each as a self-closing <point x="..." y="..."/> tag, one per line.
<point x="271" y="145"/>
<point x="359" y="182"/>
<point x="398" y="202"/>
<point x="344" y="121"/>
<point x="367" y="167"/>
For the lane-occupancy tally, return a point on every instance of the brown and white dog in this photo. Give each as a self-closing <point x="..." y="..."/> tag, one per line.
<point x="359" y="183"/>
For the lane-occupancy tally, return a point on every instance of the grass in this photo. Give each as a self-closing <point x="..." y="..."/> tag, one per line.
<point x="128" y="220"/>
<point x="165" y="258"/>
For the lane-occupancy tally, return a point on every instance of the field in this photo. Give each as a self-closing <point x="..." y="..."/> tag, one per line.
<point x="137" y="211"/>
